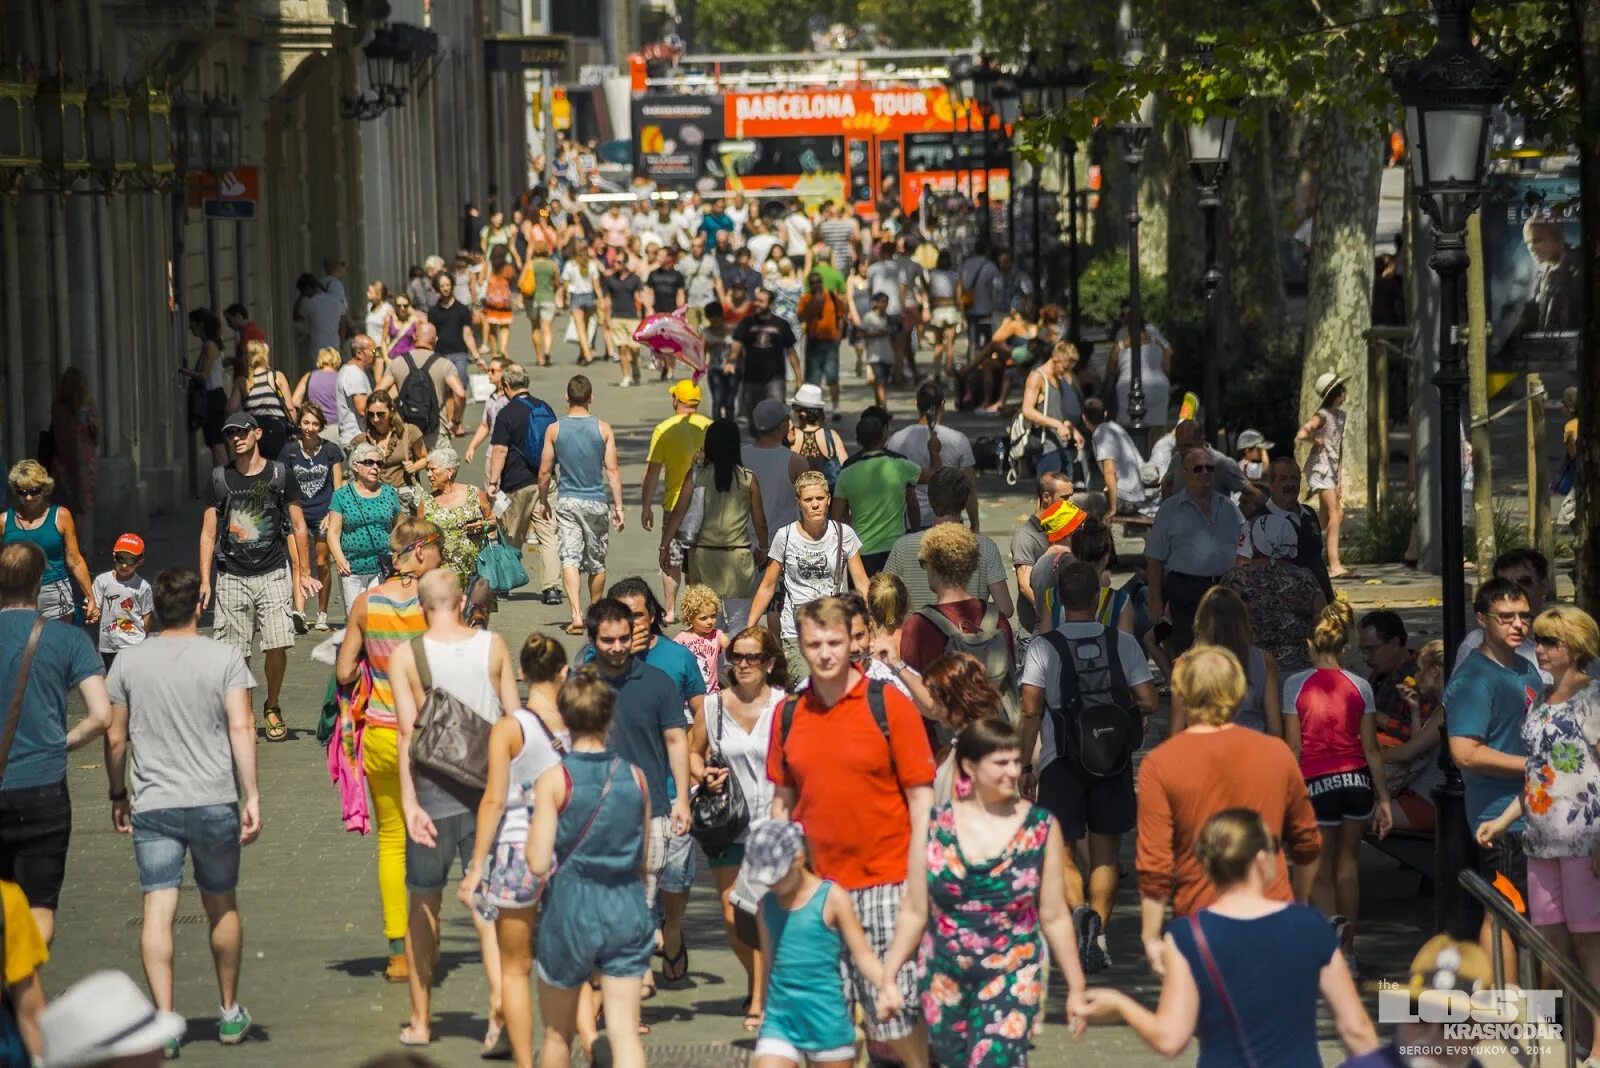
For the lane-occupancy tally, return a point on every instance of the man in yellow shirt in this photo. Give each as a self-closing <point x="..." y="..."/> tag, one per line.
<point x="674" y="444"/>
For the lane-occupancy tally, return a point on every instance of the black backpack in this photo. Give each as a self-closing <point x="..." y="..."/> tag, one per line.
<point x="1097" y="724"/>
<point x="418" y="402"/>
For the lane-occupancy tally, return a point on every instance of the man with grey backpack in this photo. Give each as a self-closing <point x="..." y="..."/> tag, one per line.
<point x="1090" y="689"/>
<point x="451" y="684"/>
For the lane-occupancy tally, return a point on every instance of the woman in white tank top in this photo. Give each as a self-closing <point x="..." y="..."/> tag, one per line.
<point x="522" y="746"/>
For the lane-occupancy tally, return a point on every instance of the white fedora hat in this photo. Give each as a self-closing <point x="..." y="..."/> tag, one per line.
<point x="102" y="1017"/>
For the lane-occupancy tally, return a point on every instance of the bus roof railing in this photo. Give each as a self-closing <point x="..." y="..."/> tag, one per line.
<point x="887" y="55"/>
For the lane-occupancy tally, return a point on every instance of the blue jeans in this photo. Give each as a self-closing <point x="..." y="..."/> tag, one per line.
<point x="208" y="833"/>
<point x="724" y="391"/>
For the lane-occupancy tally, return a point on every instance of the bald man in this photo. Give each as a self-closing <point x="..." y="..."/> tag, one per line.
<point x="448" y="386"/>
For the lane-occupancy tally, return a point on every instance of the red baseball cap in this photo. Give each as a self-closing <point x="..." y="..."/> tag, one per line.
<point x="129" y="543"/>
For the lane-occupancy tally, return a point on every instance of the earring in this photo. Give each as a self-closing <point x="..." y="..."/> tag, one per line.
<point x="963" y="787"/>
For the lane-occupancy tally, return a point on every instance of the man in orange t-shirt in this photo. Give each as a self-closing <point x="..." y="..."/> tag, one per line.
<point x="823" y="315"/>
<point x="862" y="798"/>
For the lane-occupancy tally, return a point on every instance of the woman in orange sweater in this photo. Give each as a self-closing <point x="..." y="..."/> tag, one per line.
<point x="1194" y="775"/>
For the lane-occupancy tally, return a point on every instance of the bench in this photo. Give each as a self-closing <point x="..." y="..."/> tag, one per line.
<point x="1141" y="522"/>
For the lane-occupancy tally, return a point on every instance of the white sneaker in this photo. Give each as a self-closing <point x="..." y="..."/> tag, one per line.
<point x="322" y="621"/>
<point x="625" y="383"/>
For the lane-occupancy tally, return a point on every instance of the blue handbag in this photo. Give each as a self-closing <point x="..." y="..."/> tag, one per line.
<point x="501" y="566"/>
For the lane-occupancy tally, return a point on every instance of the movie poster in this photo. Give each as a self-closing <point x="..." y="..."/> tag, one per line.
<point x="1531" y="233"/>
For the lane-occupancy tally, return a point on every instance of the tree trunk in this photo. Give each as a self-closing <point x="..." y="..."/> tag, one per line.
<point x="1586" y="19"/>
<point x="1258" y="307"/>
<point x="1478" y="399"/>
<point x="1347" y="173"/>
<point x="1155" y="193"/>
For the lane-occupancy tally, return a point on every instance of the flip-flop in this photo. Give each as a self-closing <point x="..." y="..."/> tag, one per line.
<point x="275" y="732"/>
<point x="677" y="963"/>
<point x="573" y="628"/>
<point x="496" y="1044"/>
<point x="409" y="1039"/>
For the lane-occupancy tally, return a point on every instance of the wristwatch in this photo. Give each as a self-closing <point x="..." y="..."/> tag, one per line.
<point x="898" y="667"/>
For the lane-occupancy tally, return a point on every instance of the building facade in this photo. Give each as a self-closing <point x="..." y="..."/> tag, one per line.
<point x="100" y="269"/>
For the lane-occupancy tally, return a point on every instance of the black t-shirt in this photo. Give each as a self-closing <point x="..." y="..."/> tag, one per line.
<point x="765" y="339"/>
<point x="665" y="283"/>
<point x="450" y="322"/>
<point x="622" y="292"/>
<point x="251" y="519"/>
<point x="511" y="430"/>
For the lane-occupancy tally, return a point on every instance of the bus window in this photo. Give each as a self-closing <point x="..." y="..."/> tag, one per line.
<point x="860" y="174"/>
<point x="889" y="170"/>
<point x="929" y="152"/>
<point x="783" y="156"/>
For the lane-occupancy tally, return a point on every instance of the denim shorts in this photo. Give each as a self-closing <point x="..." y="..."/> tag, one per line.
<point x="210" y="835"/>
<point x="428" y="867"/>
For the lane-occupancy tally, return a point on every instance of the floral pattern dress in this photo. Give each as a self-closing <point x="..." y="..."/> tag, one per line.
<point x="1279" y="599"/>
<point x="460" y="546"/>
<point x="1561" y="788"/>
<point x="983" y="963"/>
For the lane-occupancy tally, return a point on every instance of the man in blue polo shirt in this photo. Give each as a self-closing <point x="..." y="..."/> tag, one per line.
<point x="1489" y="694"/>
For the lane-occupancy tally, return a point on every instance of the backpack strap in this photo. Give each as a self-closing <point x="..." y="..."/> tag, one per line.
<point x="14" y="715"/>
<point x="942" y="621"/>
<point x="880" y="714"/>
<point x="409" y="362"/>
<point x="1068" y="696"/>
<point x="786" y="718"/>
<point x="1120" y="689"/>
<point x="419" y="653"/>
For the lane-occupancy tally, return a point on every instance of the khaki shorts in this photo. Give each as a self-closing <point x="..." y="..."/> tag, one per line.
<point x="622" y="332"/>
<point x="583" y="534"/>
<point x="251" y="606"/>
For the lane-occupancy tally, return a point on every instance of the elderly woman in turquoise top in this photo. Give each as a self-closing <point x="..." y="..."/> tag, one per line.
<point x="360" y="517"/>
<point x="50" y="527"/>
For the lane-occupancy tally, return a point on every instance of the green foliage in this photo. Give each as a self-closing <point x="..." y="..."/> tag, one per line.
<point x="1255" y="388"/>
<point x="1103" y="284"/>
<point x="1380" y="537"/>
<point x="920" y="23"/>
<point x="774" y="26"/>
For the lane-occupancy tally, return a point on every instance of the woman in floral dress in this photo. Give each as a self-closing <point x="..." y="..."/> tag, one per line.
<point x="462" y="513"/>
<point x="990" y="885"/>
<point x="1561" y="791"/>
<point x="1282" y="598"/>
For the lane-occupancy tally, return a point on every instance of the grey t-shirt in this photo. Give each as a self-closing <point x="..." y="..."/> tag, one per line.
<point x="903" y="563"/>
<point x="174" y="689"/>
<point x="1027" y="545"/>
<point x="1041" y="667"/>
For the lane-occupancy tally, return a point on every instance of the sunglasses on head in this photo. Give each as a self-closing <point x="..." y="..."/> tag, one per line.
<point x="1546" y="641"/>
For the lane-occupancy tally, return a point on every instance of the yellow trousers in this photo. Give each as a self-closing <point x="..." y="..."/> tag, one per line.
<point x="381" y="759"/>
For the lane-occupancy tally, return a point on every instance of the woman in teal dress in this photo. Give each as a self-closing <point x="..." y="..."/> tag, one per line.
<point x="988" y="893"/>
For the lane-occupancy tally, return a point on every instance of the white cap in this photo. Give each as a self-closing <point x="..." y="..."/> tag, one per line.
<point x="102" y="1017"/>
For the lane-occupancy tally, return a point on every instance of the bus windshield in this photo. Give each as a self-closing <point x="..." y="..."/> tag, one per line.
<point x="781" y="156"/>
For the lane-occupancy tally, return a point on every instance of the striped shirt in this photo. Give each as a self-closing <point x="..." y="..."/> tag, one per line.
<point x="390" y="623"/>
<point x="837" y="235"/>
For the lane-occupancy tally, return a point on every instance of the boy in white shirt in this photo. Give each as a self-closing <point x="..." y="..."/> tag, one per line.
<point x="127" y="604"/>
<point x="878" y="333"/>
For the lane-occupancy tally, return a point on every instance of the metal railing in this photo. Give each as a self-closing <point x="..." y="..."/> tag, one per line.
<point x="1533" y="949"/>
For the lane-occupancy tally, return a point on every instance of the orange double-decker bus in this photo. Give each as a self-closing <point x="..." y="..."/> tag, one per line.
<point x="855" y="145"/>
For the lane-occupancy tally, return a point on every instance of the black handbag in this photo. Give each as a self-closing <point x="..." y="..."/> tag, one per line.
<point x="716" y="820"/>
<point x="451" y="741"/>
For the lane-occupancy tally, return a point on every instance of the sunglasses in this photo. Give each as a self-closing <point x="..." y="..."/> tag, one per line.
<point x="124" y="558"/>
<point x="401" y="305"/>
<point x="1546" y="641"/>
<point x="236" y="432"/>
<point x="1203" y="469"/>
<point x="369" y="463"/>
<point x="30" y="493"/>
<point x="746" y="658"/>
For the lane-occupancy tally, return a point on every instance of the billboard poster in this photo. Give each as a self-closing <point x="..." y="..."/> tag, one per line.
<point x="1531" y="232"/>
<point x="670" y="136"/>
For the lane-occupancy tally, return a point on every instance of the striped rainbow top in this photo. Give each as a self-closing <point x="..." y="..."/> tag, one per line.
<point x="391" y="622"/>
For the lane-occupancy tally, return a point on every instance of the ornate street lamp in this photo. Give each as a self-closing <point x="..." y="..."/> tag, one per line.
<point x="1210" y="142"/>
<point x="150" y="137"/>
<point x="188" y="127"/>
<point x="984" y="76"/>
<point x="1448" y="95"/>
<point x="1135" y="132"/>
<point x="222" y="136"/>
<point x="1008" y="99"/>
<point x="1033" y="87"/>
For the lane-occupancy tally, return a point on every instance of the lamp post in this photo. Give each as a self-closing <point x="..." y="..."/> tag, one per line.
<point x="1008" y="99"/>
<point x="1448" y="95"/>
<point x="1033" y="87"/>
<point x="960" y="87"/>
<point x="1067" y="83"/>
<point x="1210" y="142"/>
<point x="1135" y="133"/>
<point x="984" y="76"/>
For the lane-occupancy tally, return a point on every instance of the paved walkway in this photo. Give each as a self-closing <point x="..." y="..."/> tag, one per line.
<point x="313" y="950"/>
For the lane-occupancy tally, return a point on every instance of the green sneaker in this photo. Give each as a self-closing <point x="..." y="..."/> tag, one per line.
<point x="173" y="1048"/>
<point x="231" y="1032"/>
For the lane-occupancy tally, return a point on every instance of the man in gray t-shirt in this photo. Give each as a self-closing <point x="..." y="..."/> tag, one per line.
<point x="183" y="700"/>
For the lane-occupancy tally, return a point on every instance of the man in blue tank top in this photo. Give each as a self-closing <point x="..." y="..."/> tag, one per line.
<point x="581" y="452"/>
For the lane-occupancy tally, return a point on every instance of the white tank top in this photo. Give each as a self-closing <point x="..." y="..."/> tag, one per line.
<point x="461" y="669"/>
<point x="537" y="757"/>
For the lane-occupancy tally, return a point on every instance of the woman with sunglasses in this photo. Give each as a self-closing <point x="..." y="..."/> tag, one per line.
<point x="318" y="468"/>
<point x="461" y="511"/>
<point x="382" y="619"/>
<point x="1562" y="779"/>
<point x="360" y="516"/>
<point x="1245" y="974"/>
<point x="50" y="527"/>
<point x="729" y="739"/>
<point x="400" y="449"/>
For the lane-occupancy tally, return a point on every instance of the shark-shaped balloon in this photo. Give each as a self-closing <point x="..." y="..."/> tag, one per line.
<point x="669" y="336"/>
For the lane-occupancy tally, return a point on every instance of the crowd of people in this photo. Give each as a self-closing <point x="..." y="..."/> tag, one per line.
<point x="912" y="787"/>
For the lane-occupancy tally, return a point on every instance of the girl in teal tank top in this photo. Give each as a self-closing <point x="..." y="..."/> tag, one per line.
<point x="805" y="922"/>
